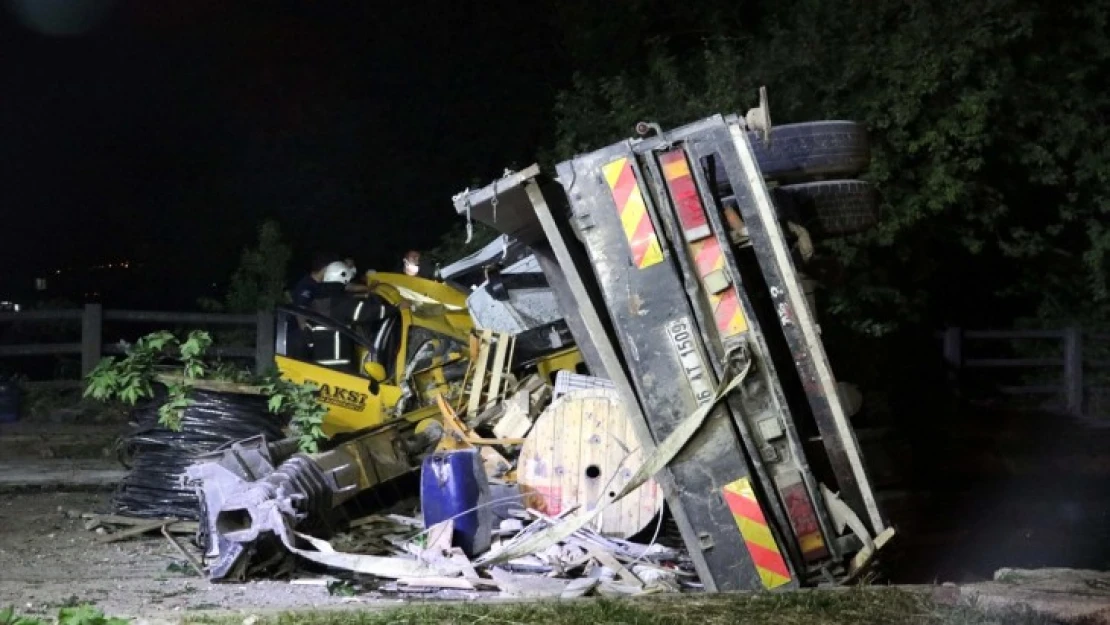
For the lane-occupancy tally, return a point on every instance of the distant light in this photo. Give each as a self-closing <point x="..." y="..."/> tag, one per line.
<point x="16" y="308"/>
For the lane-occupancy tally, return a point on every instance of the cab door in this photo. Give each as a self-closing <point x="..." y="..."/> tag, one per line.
<point x="345" y="389"/>
<point x="352" y="404"/>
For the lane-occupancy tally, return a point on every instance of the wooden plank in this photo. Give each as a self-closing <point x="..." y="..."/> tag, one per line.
<point x="42" y="349"/>
<point x="218" y="386"/>
<point x="59" y="474"/>
<point x="1073" y="371"/>
<point x="454" y="583"/>
<point x="137" y="530"/>
<point x="497" y="369"/>
<point x="154" y="316"/>
<point x="608" y="561"/>
<point x="479" y="379"/>
<point x="42" y="315"/>
<point x="218" y="351"/>
<point x="177" y="526"/>
<point x="55" y="384"/>
<point x="440" y="534"/>
<point x="264" y="342"/>
<point x="92" y="325"/>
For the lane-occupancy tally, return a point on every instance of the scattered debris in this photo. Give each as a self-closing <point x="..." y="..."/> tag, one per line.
<point x="137" y="530"/>
<point x="341" y="588"/>
<point x="579" y="588"/>
<point x="257" y="519"/>
<point x="528" y="587"/>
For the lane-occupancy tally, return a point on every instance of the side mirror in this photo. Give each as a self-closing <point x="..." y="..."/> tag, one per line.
<point x="375" y="371"/>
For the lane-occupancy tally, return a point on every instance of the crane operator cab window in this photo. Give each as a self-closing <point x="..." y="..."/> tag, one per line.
<point x="373" y="320"/>
<point x="343" y="321"/>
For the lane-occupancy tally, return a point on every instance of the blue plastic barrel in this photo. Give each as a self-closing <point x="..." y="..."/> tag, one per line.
<point x="9" y="401"/>
<point x="453" y="485"/>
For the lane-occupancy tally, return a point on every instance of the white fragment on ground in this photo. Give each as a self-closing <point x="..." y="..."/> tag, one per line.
<point x="528" y="587"/>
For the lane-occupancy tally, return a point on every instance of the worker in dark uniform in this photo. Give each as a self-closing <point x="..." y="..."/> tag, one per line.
<point x="304" y="291"/>
<point x="362" y="311"/>
<point x="299" y="331"/>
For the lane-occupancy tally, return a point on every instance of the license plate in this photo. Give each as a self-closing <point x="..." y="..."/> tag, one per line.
<point x="684" y="339"/>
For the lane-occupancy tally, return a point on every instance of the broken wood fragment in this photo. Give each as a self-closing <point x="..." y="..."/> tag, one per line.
<point x="579" y="588"/>
<point x="607" y="560"/>
<point x="439" y="535"/>
<point x="454" y="583"/>
<point x="138" y="530"/>
<point x="528" y="587"/>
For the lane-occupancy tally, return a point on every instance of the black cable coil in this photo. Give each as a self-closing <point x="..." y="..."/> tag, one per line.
<point x="154" y="486"/>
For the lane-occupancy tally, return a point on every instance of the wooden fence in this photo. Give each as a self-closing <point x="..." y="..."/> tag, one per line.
<point x="92" y="318"/>
<point x="1064" y="372"/>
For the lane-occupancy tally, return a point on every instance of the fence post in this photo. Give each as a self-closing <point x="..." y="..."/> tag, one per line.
<point x="953" y="355"/>
<point x="91" y="342"/>
<point x="264" y="342"/>
<point x="1073" y="371"/>
<point x="953" y="347"/>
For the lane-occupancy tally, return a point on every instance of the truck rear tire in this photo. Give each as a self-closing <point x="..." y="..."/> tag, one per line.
<point x="834" y="207"/>
<point x="810" y="150"/>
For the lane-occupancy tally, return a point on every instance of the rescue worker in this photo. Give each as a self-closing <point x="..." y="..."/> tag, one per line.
<point x="355" y="288"/>
<point x="410" y="265"/>
<point x="357" y="307"/>
<point x="304" y="291"/>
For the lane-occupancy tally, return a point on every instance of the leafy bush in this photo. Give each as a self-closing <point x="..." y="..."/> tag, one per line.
<point x="134" y="377"/>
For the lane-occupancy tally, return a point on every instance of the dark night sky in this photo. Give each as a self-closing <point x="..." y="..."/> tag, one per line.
<point x="167" y="132"/>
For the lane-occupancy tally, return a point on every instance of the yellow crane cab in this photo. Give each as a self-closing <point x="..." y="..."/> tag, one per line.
<point x="375" y="373"/>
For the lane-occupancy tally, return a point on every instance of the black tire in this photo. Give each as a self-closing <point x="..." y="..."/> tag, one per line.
<point x="825" y="149"/>
<point x="832" y="207"/>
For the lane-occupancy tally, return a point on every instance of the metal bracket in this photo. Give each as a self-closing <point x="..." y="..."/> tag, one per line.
<point x="843" y="516"/>
<point x="759" y="119"/>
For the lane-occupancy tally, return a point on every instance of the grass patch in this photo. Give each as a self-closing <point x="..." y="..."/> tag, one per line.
<point x="850" y="607"/>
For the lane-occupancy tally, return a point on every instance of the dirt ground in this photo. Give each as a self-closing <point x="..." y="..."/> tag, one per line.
<point x="48" y="561"/>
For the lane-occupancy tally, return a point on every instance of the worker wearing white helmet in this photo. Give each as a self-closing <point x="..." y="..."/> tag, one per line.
<point x="338" y="272"/>
<point x="351" y="303"/>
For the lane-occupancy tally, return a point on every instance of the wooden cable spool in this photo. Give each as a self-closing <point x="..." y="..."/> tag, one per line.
<point x="581" y="451"/>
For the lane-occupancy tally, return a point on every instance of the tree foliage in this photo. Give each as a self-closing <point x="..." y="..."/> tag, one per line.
<point x="453" y="244"/>
<point x="259" y="282"/>
<point x="990" y="148"/>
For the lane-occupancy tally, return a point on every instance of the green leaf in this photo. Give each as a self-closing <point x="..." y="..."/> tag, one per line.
<point x="194" y="369"/>
<point x="85" y="615"/>
<point x="196" y="345"/>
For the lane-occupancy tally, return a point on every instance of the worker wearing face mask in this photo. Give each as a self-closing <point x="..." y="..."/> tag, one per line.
<point x="410" y="266"/>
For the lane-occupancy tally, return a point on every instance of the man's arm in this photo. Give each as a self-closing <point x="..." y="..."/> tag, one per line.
<point x="358" y="290"/>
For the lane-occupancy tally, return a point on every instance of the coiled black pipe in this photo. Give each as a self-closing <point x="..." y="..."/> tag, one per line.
<point x="153" y="487"/>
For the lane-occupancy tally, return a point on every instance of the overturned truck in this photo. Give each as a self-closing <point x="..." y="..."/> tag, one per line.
<point x="668" y="260"/>
<point x="672" y="270"/>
